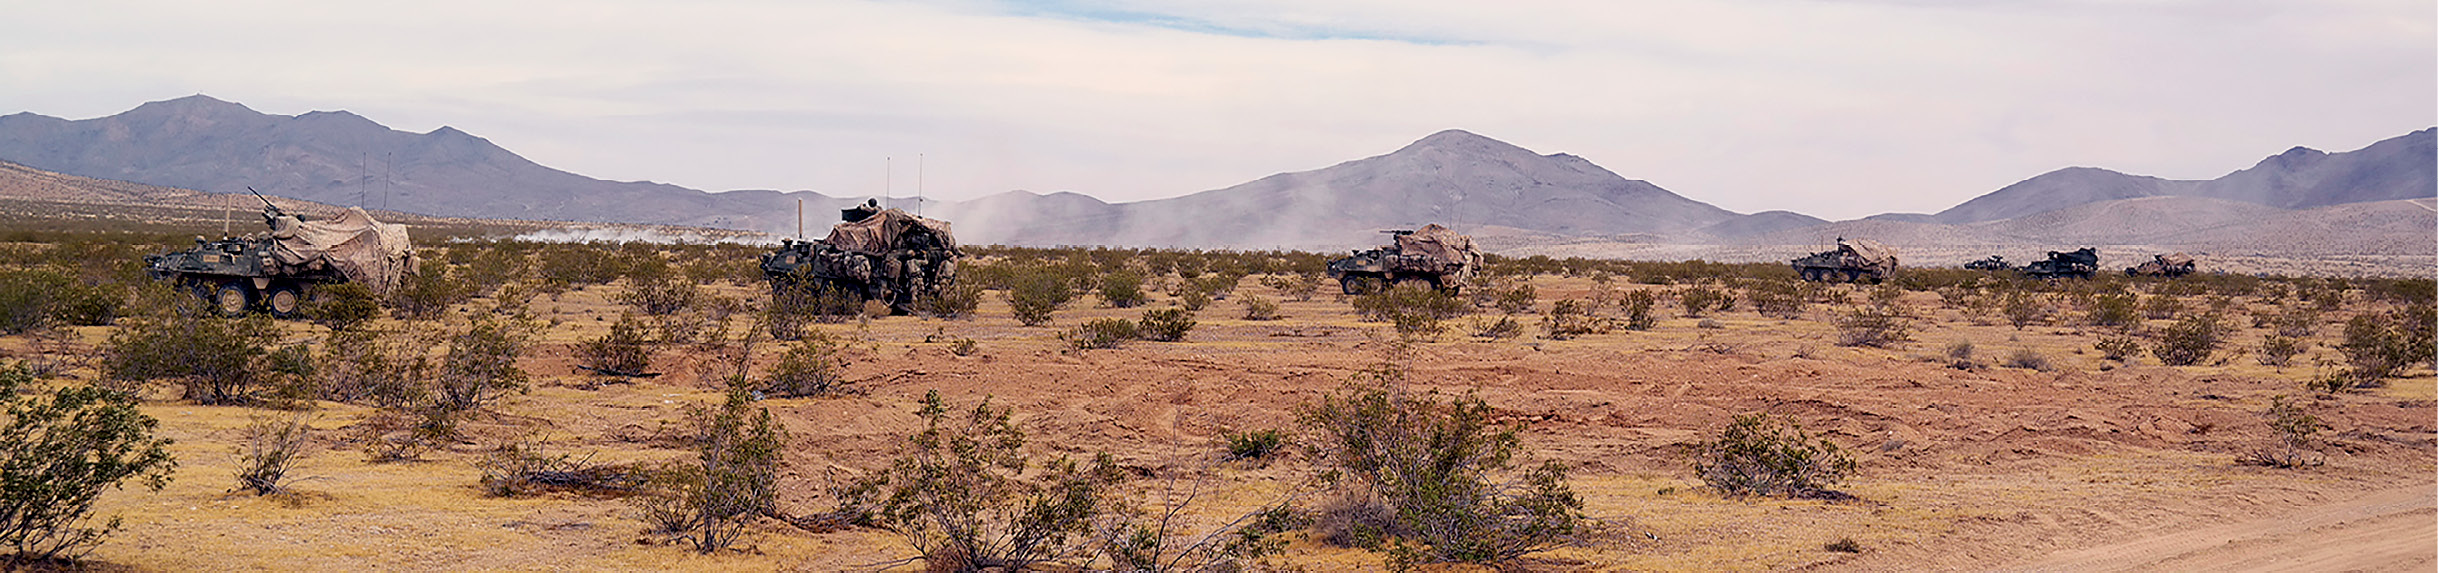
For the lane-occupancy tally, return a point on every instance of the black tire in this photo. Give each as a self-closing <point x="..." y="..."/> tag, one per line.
<point x="232" y="299"/>
<point x="284" y="301"/>
<point x="1359" y="285"/>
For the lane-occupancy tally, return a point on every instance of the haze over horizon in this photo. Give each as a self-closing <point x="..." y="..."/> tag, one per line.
<point x="1837" y="109"/>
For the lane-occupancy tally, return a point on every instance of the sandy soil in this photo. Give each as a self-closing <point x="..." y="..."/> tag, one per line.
<point x="2088" y="466"/>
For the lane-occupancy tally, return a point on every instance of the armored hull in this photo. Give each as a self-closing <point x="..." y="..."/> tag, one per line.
<point x="1432" y="256"/>
<point x="1855" y="260"/>
<point x="878" y="254"/>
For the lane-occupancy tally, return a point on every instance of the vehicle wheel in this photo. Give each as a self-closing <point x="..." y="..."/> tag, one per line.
<point x="1357" y="285"/>
<point x="233" y="299"/>
<point x="1851" y="275"/>
<point x="1811" y="274"/>
<point x="1412" y="281"/>
<point x="284" y="301"/>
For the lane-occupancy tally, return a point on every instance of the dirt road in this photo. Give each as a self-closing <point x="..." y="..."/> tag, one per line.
<point x="2388" y="530"/>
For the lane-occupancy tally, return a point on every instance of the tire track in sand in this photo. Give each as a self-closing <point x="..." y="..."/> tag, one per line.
<point x="2386" y="530"/>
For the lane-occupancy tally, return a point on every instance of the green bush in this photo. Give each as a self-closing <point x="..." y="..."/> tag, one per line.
<point x="2116" y="310"/>
<point x="1167" y="324"/>
<point x="1034" y="295"/>
<point x="343" y="306"/>
<point x="1570" y="318"/>
<point x="1295" y="286"/>
<point x="1414" y="310"/>
<point x="1516" y="300"/>
<point x="1877" y="325"/>
<point x="1123" y="289"/>
<point x="430" y="291"/>
<point x="59" y="451"/>
<point x="1258" y="308"/>
<point x="953" y="301"/>
<point x="1761" y="455"/>
<point x="1101" y="333"/>
<point x="968" y="497"/>
<point x="40" y="297"/>
<point x="661" y="295"/>
<point x="2190" y="340"/>
<point x="813" y="367"/>
<point x="214" y="359"/>
<point x="739" y="451"/>
<point x="1434" y="466"/>
<point x="623" y="350"/>
<point x="1638" y="310"/>
<point x="1700" y="301"/>
<point x="2118" y="348"/>
<point x="480" y="365"/>
<point x="1255" y="444"/>
<point x="2383" y="344"/>
<point x="2293" y="428"/>
<point x="2278" y="350"/>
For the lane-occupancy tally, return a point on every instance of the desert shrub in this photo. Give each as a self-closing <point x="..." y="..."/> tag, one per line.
<point x="2117" y="310"/>
<point x="2029" y="359"/>
<point x="214" y="359"/>
<point x="661" y="294"/>
<point x="59" y="451"/>
<point x="623" y="350"/>
<point x="2022" y="308"/>
<point x="1255" y="444"/>
<point x="1166" y="324"/>
<point x="793" y="306"/>
<point x="966" y="496"/>
<point x="2278" y="350"/>
<point x="2161" y="305"/>
<point x="1877" y="325"/>
<point x="1101" y="333"/>
<point x="370" y="366"/>
<point x="430" y="291"/>
<point x="480" y="365"/>
<point x="2293" y="428"/>
<point x="739" y="450"/>
<point x="525" y="467"/>
<point x="1257" y="308"/>
<point x="2118" y="348"/>
<point x="1517" y="300"/>
<point x="2298" y="321"/>
<point x="1843" y="545"/>
<point x="343" y="306"/>
<point x="952" y="301"/>
<point x="397" y="435"/>
<point x="1700" y="301"/>
<point x="813" y="367"/>
<point x="2190" y="340"/>
<point x="1296" y="287"/>
<point x="1959" y="355"/>
<point x="1501" y="328"/>
<point x="1434" y="466"/>
<point x="1570" y="318"/>
<point x="1777" y="299"/>
<point x="494" y="266"/>
<point x="1032" y="296"/>
<point x="1413" y="310"/>
<point x="1123" y="289"/>
<point x="272" y="447"/>
<point x="34" y="298"/>
<point x="576" y="265"/>
<point x="1761" y="455"/>
<point x="1638" y="310"/>
<point x="2382" y="344"/>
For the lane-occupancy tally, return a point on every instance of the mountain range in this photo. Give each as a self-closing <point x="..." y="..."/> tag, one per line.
<point x="1480" y="184"/>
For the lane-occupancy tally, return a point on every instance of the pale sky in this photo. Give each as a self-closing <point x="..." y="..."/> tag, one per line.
<point x="1837" y="109"/>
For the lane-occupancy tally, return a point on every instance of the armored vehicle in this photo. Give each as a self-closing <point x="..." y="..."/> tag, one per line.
<point x="1851" y="260"/>
<point x="887" y="255"/>
<point x="2076" y="264"/>
<point x="1993" y="263"/>
<point x="269" y="271"/>
<point x="2169" y="266"/>
<point x="1432" y="256"/>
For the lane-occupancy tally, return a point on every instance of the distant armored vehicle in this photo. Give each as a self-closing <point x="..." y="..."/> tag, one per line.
<point x="1432" y="256"/>
<point x="1851" y="260"/>
<point x="2169" y="266"/>
<point x="878" y="254"/>
<point x="2076" y="264"/>
<point x="269" y="271"/>
<point x="1993" y="263"/>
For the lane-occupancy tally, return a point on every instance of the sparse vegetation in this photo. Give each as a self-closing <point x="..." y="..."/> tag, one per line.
<point x="967" y="496"/>
<point x="1033" y="296"/>
<point x="1570" y="318"/>
<point x="273" y="446"/>
<point x="1166" y="324"/>
<point x="1258" y="308"/>
<point x="1701" y="301"/>
<point x="1256" y="444"/>
<point x="214" y="359"/>
<point x="1413" y="310"/>
<point x="625" y="349"/>
<point x="2190" y="340"/>
<point x="1763" y="455"/>
<point x="2292" y="446"/>
<point x="59" y="452"/>
<point x="812" y="367"/>
<point x="739" y="450"/>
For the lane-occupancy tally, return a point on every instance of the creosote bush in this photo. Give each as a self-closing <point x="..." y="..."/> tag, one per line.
<point x="1570" y="318"/>
<point x="1414" y="310"/>
<point x="1637" y="306"/>
<point x="1701" y="301"/>
<point x="2279" y="350"/>
<point x="59" y="451"/>
<point x="812" y="367"/>
<point x="1761" y="455"/>
<point x="215" y="359"/>
<point x="739" y="450"/>
<point x="2190" y="340"/>
<point x="2292" y="446"/>
<point x="1033" y="296"/>
<point x="1434" y="467"/>
<point x="272" y="447"/>
<point x="1258" y="308"/>
<point x="1166" y="324"/>
<point x="1122" y="289"/>
<point x="624" y="349"/>
<point x="1256" y="444"/>
<point x="343" y="306"/>
<point x="967" y="496"/>
<point x="1100" y="334"/>
<point x="2118" y="348"/>
<point x="1878" y="325"/>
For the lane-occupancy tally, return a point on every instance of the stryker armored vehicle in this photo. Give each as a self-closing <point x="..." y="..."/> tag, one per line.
<point x="2170" y="266"/>
<point x="1431" y="256"/>
<point x="2076" y="264"/>
<point x="1851" y="261"/>
<point x="269" y="271"/>
<point x="1993" y="263"/>
<point x="887" y="255"/>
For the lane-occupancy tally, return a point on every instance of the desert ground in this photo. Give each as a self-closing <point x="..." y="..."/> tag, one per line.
<point x="2083" y="464"/>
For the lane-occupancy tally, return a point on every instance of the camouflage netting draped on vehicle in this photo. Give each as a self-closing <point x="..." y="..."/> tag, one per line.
<point x="1439" y="243"/>
<point x="369" y="252"/>
<point x="889" y="230"/>
<point x="1872" y="252"/>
